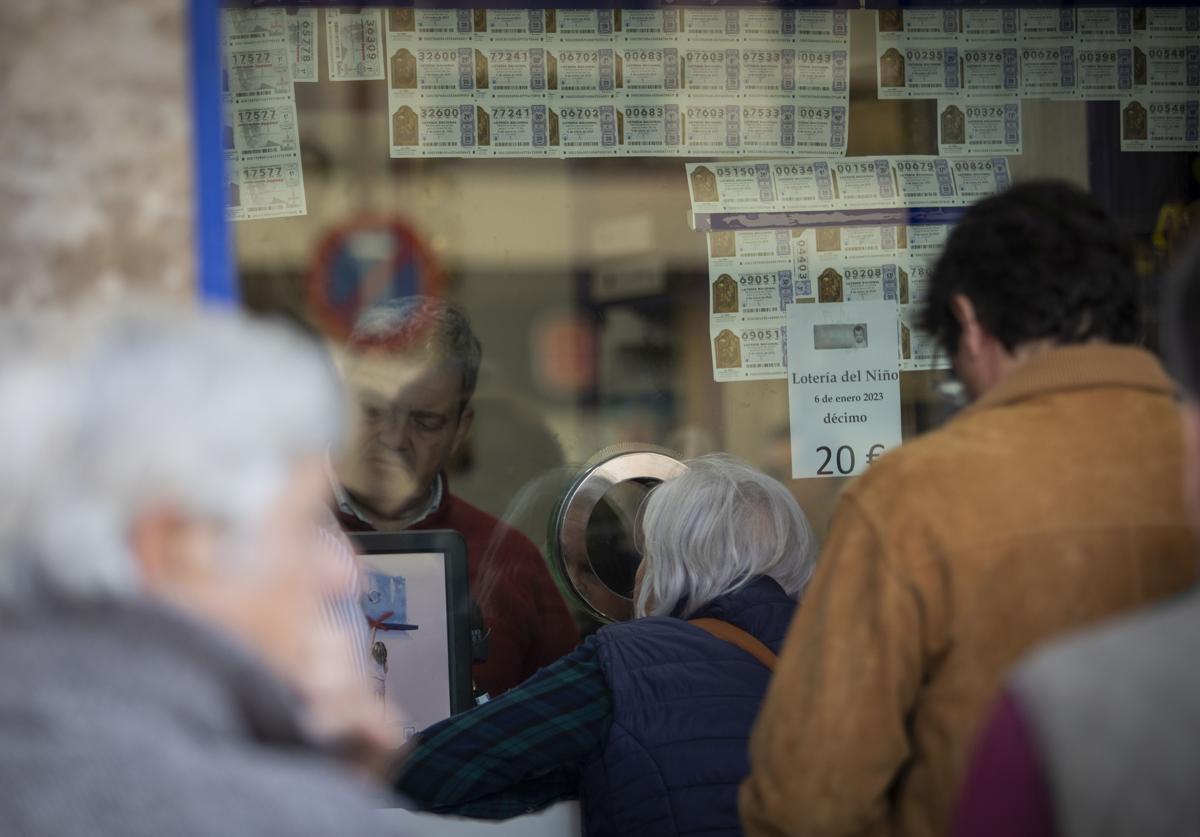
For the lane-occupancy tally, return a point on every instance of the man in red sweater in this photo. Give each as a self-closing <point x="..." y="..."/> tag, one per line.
<point x="411" y="370"/>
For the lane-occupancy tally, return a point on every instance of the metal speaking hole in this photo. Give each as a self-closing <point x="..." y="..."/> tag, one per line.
<point x="611" y="535"/>
<point x="594" y="529"/>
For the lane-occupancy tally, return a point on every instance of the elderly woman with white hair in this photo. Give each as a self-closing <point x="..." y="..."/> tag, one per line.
<point x="167" y="669"/>
<point x="647" y="721"/>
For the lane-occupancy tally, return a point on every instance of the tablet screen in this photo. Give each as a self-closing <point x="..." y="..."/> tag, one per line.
<point x="407" y="606"/>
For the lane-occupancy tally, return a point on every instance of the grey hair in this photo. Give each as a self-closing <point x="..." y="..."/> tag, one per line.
<point x="423" y="323"/>
<point x="106" y="415"/>
<point x="713" y="529"/>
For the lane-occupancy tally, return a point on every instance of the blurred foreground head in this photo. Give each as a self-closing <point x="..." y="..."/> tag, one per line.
<point x="153" y="451"/>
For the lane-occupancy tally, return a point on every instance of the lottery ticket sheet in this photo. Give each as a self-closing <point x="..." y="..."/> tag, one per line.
<point x="1101" y="53"/>
<point x="755" y="274"/>
<point x="261" y="135"/>
<point x="660" y="82"/>
<point x="783" y="186"/>
<point x="1166" y="52"/>
<point x="752" y="283"/>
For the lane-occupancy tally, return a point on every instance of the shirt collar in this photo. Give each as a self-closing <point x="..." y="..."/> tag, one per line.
<point x="347" y="506"/>
<point x="1086" y="366"/>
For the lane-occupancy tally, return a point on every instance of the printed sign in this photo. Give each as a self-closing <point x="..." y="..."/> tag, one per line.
<point x="843" y="387"/>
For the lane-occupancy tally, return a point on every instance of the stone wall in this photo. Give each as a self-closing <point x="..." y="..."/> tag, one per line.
<point x="95" y="154"/>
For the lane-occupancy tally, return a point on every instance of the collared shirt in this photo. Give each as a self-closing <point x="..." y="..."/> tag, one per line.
<point x="519" y="752"/>
<point x="344" y="614"/>
<point x="346" y="505"/>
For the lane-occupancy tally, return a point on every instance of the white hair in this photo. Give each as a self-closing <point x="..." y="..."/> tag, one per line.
<point x="713" y="529"/>
<point x="106" y="415"/>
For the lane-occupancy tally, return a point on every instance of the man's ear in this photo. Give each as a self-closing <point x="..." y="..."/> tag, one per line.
<point x="152" y="538"/>
<point x="970" y="331"/>
<point x="166" y="549"/>
<point x="466" y="420"/>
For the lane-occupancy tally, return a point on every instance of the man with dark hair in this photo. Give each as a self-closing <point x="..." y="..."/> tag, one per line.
<point x="1048" y="504"/>
<point x="1097" y="734"/>
<point x="412" y="366"/>
<point x="1040" y="266"/>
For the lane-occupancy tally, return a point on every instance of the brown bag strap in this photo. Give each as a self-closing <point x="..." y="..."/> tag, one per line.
<point x="734" y="635"/>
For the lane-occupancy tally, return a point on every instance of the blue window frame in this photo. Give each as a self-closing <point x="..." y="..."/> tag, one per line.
<point x="216" y="280"/>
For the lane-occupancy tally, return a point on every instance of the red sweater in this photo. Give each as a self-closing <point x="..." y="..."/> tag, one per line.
<point x="528" y="622"/>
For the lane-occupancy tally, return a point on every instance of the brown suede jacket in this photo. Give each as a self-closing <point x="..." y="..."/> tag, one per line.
<point x="1053" y="502"/>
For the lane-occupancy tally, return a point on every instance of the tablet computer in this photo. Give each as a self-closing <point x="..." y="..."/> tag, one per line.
<point x="418" y="605"/>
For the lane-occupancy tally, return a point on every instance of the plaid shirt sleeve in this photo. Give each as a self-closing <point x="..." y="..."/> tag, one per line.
<point x="517" y="753"/>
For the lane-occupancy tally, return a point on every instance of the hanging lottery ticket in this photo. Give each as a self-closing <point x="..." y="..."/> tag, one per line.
<point x="302" y="43"/>
<point x="984" y="127"/>
<point x="1160" y="123"/>
<point x="354" y="44"/>
<point x="261" y="132"/>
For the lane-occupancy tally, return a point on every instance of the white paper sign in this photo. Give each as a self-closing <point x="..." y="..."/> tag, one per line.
<point x="843" y="386"/>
